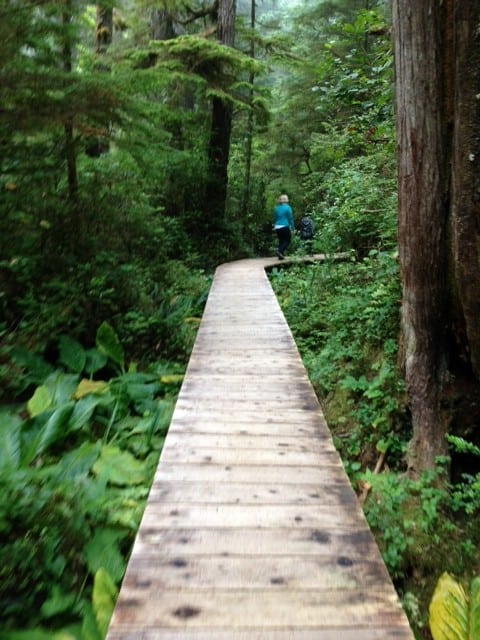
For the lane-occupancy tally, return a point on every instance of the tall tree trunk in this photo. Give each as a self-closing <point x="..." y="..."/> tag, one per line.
<point x="70" y="227"/>
<point x="103" y="39"/>
<point x="226" y="22"/>
<point x="432" y="42"/>
<point x="70" y="151"/>
<point x="466" y="181"/>
<point x="250" y="123"/>
<point x="219" y="146"/>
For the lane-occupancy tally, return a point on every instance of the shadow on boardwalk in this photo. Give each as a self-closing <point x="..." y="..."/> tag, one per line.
<point x="252" y="531"/>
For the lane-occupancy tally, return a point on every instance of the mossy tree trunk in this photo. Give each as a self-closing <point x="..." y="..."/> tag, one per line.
<point x="221" y="126"/>
<point x="437" y="83"/>
<point x="250" y="123"/>
<point x="71" y="225"/>
<point x="103" y="39"/>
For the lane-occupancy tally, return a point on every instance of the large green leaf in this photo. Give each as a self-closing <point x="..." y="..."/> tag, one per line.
<point x="79" y="462"/>
<point x="83" y="411"/>
<point x="61" y="386"/>
<point x="109" y="344"/>
<point x="94" y="361"/>
<point x="104" y="597"/>
<point x="58" y="389"/>
<point x="41" y="432"/>
<point x="71" y="354"/>
<point x="89" y="387"/>
<point x="103" y="551"/>
<point x="58" y="602"/>
<point x="10" y="443"/>
<point x="56" y="427"/>
<point x="120" y="467"/>
<point x="449" y="611"/>
<point x="40" y="401"/>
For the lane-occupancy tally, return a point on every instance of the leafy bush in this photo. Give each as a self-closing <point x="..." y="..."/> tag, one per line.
<point x="345" y="317"/>
<point x="348" y="213"/>
<point x="76" y="464"/>
<point x="155" y="312"/>
<point x="409" y="518"/>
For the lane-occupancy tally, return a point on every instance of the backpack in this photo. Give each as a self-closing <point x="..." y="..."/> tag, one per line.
<point x="306" y="229"/>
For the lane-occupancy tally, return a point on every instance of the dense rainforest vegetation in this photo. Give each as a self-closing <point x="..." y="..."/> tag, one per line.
<point x="145" y="142"/>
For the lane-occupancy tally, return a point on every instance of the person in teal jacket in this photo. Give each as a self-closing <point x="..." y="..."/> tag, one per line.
<point x="283" y="224"/>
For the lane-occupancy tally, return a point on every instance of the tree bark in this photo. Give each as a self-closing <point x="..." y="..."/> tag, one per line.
<point x="221" y="126"/>
<point x="250" y="123"/>
<point x="103" y="39"/>
<point x="226" y="22"/>
<point x="70" y="150"/>
<point x="70" y="228"/>
<point x="437" y="133"/>
<point x="466" y="183"/>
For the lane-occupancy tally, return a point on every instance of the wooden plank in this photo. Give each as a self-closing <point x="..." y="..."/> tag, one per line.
<point x="277" y="456"/>
<point x="210" y="412"/>
<point x="251" y="493"/>
<point x="248" y="440"/>
<point x="246" y="515"/>
<point x="300" y="573"/>
<point x="260" y="609"/>
<point x="244" y="388"/>
<point x="294" y="425"/>
<point x="317" y="542"/>
<point x="171" y="472"/>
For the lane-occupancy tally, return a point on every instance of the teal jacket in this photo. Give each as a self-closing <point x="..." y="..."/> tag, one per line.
<point x="283" y="216"/>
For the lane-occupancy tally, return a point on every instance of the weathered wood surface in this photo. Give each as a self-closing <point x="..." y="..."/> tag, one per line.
<point x="251" y="530"/>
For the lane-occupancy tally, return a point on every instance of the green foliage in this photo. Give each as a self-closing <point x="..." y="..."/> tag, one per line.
<point x="461" y="445"/>
<point x="409" y="516"/>
<point x="153" y="310"/>
<point x="74" y="478"/>
<point x="333" y="125"/>
<point x="466" y="489"/>
<point x="349" y="215"/>
<point x="345" y="317"/>
<point x="109" y="344"/>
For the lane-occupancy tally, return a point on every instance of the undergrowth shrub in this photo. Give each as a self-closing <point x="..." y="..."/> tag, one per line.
<point x="43" y="525"/>
<point x="408" y="517"/>
<point x="354" y="203"/>
<point x="76" y="463"/>
<point x="422" y="531"/>
<point x="155" y="311"/>
<point x="345" y="317"/>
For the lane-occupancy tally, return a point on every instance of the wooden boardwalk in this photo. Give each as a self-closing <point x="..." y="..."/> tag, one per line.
<point x="251" y="530"/>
